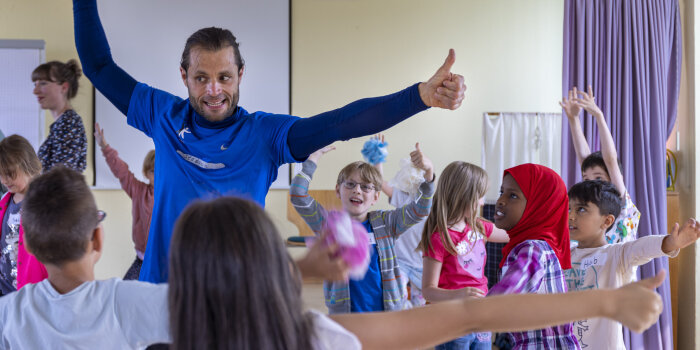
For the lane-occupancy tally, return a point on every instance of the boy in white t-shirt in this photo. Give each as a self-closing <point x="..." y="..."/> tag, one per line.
<point x="595" y="264"/>
<point x="70" y="309"/>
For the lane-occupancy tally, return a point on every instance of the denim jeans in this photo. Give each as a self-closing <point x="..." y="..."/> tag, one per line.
<point x="473" y="341"/>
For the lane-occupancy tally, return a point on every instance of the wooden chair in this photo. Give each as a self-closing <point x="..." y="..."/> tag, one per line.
<point x="327" y="198"/>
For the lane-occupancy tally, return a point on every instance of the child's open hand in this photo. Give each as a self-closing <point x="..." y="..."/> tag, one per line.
<point x="422" y="162"/>
<point x="679" y="239"/>
<point x="636" y="305"/>
<point x="314" y="157"/>
<point x="587" y="102"/>
<point x="571" y="109"/>
<point x="100" y="136"/>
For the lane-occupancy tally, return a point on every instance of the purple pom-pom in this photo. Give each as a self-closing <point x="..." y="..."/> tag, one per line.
<point x="352" y="239"/>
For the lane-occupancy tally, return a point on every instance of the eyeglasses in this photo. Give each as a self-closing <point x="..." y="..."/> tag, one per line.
<point x="101" y="215"/>
<point x="366" y="188"/>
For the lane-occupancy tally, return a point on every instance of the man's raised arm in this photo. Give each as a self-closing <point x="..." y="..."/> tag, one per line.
<point x="96" y="57"/>
<point x="371" y="115"/>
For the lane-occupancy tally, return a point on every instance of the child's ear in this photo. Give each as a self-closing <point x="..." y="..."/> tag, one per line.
<point x="337" y="190"/>
<point x="97" y="239"/>
<point x="609" y="221"/>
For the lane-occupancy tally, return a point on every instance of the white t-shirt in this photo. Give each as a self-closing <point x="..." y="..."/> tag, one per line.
<point x="408" y="241"/>
<point x="108" y="314"/>
<point x="609" y="266"/>
<point x="331" y="336"/>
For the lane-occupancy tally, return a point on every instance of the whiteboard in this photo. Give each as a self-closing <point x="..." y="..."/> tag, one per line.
<point x="20" y="112"/>
<point x="147" y="38"/>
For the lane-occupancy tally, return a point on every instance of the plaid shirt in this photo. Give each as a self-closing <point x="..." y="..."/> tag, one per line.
<point x="533" y="267"/>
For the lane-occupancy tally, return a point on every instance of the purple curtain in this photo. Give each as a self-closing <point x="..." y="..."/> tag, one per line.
<point x="630" y="52"/>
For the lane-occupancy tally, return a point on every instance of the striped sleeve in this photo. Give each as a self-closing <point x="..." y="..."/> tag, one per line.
<point x="309" y="209"/>
<point x="399" y="220"/>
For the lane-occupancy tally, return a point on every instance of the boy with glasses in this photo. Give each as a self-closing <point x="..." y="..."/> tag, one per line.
<point x="358" y="188"/>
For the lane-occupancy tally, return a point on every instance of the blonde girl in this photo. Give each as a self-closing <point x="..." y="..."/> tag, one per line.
<point x="453" y="243"/>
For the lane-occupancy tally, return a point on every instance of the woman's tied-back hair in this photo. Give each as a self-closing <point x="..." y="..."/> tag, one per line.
<point x="366" y="172"/>
<point x="232" y="284"/>
<point x="17" y="155"/>
<point x="149" y="162"/>
<point x="59" y="216"/>
<point x="59" y="72"/>
<point x="459" y="189"/>
<point x="211" y="39"/>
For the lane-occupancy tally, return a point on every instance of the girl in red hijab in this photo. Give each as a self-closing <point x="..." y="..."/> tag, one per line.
<point x="534" y="209"/>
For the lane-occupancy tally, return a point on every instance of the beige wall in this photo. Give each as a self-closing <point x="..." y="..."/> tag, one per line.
<point x="509" y="53"/>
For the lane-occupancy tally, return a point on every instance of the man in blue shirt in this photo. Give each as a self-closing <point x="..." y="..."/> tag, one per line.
<point x="209" y="146"/>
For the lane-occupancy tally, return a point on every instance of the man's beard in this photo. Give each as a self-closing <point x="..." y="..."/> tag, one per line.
<point x="200" y="109"/>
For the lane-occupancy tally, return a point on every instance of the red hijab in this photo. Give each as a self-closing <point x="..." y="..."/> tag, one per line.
<point x="546" y="215"/>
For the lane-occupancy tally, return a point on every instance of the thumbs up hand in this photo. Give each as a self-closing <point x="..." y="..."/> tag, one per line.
<point x="444" y="89"/>
<point x="422" y="162"/>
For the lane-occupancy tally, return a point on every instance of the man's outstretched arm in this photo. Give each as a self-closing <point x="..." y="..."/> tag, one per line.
<point x="372" y="115"/>
<point x="96" y="57"/>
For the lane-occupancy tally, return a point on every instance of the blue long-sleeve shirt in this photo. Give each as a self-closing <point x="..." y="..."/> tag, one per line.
<point x="201" y="159"/>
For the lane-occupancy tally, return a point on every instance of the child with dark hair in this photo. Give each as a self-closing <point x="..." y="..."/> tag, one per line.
<point x="70" y="309"/>
<point x="141" y="195"/>
<point x="595" y="264"/>
<point x="358" y="187"/>
<point x="602" y="165"/>
<point x="18" y="165"/>
<point x="532" y="209"/>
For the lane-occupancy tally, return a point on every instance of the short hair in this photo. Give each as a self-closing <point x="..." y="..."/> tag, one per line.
<point x="596" y="158"/>
<point x="602" y="194"/>
<point x="59" y="72"/>
<point x="59" y="216"/>
<point x="368" y="174"/>
<point x="149" y="163"/>
<point x="211" y="39"/>
<point x="17" y="155"/>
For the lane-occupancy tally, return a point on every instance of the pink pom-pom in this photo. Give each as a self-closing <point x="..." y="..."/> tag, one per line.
<point x="353" y="242"/>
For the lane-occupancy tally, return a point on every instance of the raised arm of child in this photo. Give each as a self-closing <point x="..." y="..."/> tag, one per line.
<point x="119" y="168"/>
<point x="679" y="239"/>
<point x="388" y="190"/>
<point x="309" y="209"/>
<point x="607" y="145"/>
<point x="572" y="111"/>
<point x="399" y="220"/>
<point x="643" y="249"/>
<point x="635" y="305"/>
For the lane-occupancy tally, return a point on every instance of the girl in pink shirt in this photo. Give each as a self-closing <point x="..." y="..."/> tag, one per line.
<point x="18" y="165"/>
<point x="453" y="244"/>
<point x="141" y="195"/>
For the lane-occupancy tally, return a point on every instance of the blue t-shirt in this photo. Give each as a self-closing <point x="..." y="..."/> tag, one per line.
<point x="366" y="295"/>
<point x="196" y="158"/>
